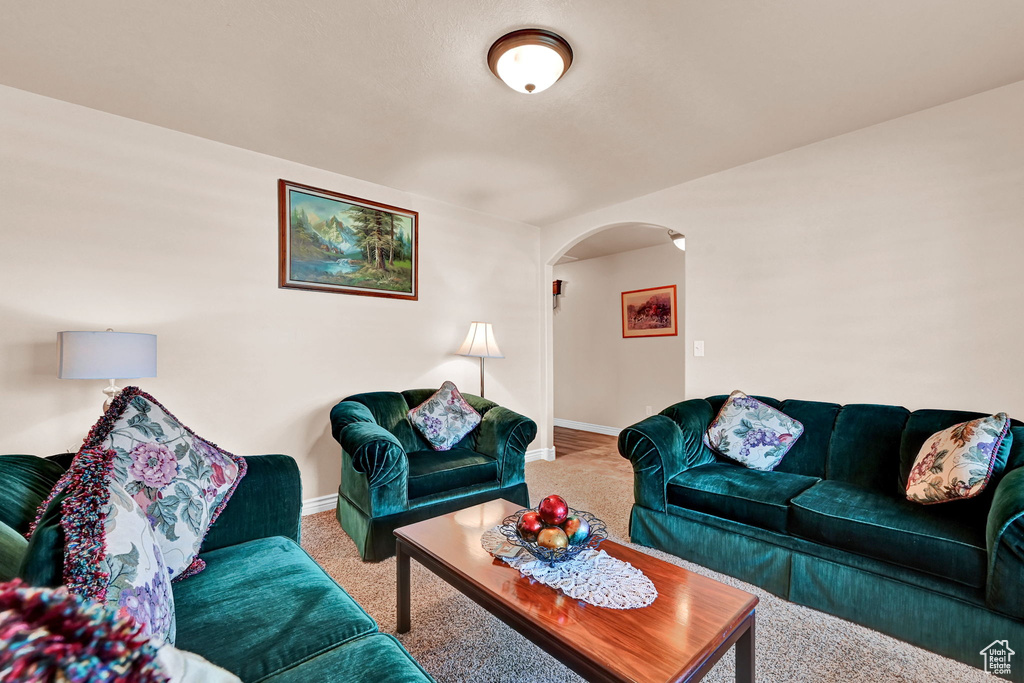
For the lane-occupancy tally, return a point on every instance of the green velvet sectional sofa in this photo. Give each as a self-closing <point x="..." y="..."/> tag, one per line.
<point x="262" y="608"/>
<point x="391" y="477"/>
<point x="830" y="527"/>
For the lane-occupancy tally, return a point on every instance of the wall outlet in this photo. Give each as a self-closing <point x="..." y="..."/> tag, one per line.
<point x="698" y="348"/>
<point x="650" y="410"/>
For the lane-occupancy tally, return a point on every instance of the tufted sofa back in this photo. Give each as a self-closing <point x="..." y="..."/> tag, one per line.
<point x="390" y="410"/>
<point x="873" y="446"/>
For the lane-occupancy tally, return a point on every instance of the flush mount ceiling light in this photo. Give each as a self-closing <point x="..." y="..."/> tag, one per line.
<point x="530" y="60"/>
<point x="677" y="239"/>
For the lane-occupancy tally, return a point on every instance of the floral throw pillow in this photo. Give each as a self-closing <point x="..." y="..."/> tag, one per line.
<point x="112" y="553"/>
<point x="958" y="462"/>
<point x="751" y="432"/>
<point x="445" y="418"/>
<point x="181" y="481"/>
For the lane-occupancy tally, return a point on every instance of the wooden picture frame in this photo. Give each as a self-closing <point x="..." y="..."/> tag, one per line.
<point x="650" y="313"/>
<point x="333" y="242"/>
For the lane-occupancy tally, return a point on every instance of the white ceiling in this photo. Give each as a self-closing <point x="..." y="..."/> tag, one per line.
<point x="398" y="92"/>
<point x="617" y="240"/>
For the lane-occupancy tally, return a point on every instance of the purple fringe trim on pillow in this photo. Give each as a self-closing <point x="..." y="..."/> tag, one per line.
<point x="82" y="520"/>
<point x="48" y="634"/>
<point x="197" y="566"/>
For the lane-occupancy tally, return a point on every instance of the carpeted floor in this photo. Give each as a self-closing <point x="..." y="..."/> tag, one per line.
<point x="455" y="640"/>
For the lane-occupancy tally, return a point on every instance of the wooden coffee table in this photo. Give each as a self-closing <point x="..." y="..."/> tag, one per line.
<point x="690" y="626"/>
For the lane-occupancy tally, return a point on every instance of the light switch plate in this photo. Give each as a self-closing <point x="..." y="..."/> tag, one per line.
<point x="698" y="348"/>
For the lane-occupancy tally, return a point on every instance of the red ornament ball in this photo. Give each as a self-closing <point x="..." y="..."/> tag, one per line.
<point x="529" y="525"/>
<point x="553" y="510"/>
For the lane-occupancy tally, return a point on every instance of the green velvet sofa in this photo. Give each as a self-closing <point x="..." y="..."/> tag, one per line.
<point x="262" y="608"/>
<point x="390" y="476"/>
<point x="829" y="528"/>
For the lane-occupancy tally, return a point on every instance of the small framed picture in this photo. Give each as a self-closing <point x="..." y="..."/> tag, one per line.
<point x="649" y="312"/>
<point x="331" y="242"/>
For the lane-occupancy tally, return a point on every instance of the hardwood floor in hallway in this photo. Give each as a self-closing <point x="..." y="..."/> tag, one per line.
<point x="596" y="454"/>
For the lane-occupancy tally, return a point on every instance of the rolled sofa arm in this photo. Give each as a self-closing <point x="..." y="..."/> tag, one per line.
<point x="505" y="435"/>
<point x="267" y="502"/>
<point x="374" y="466"/>
<point x="1004" y="590"/>
<point x="662" y="446"/>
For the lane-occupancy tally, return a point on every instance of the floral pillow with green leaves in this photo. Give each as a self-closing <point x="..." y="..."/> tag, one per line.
<point x="181" y="481"/>
<point x="445" y="418"/>
<point x="752" y="432"/>
<point x="112" y="553"/>
<point x="958" y="462"/>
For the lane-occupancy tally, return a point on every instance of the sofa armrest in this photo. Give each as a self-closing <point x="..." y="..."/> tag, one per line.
<point x="267" y="502"/>
<point x="1004" y="590"/>
<point x="662" y="446"/>
<point x="505" y="435"/>
<point x="374" y="469"/>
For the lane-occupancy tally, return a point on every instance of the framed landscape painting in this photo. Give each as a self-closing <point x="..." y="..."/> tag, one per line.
<point x="332" y="242"/>
<point x="649" y="312"/>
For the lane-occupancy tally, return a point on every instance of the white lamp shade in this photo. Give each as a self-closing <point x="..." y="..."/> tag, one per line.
<point x="106" y="355"/>
<point x="480" y="342"/>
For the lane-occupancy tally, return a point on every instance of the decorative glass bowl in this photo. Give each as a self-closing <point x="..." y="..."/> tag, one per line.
<point x="598" y="532"/>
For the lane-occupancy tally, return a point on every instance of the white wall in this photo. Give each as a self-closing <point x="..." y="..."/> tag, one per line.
<point x="879" y="266"/>
<point x="108" y="222"/>
<point x="601" y="378"/>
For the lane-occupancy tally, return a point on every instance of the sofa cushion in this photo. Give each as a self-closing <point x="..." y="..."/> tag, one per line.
<point x="716" y="402"/>
<point x="957" y="463"/>
<point x="43" y="564"/>
<point x="751" y="432"/>
<point x="373" y="658"/>
<point x="436" y="472"/>
<point x="930" y="539"/>
<point x="808" y="454"/>
<point x="12" y="551"/>
<point x="25" y="481"/>
<point x="865" y="446"/>
<point x="740" y="494"/>
<point x="263" y="606"/>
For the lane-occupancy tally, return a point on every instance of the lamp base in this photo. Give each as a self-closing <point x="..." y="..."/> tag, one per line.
<point x="112" y="391"/>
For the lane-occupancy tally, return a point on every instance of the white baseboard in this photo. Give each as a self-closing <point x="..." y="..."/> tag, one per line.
<point x="311" y="506"/>
<point x="587" y="427"/>
<point x="541" y="454"/>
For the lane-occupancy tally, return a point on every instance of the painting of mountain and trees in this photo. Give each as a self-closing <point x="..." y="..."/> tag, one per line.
<point x="650" y="312"/>
<point x="337" y="243"/>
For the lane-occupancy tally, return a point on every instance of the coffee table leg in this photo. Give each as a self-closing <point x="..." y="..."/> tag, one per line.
<point x="403" y="588"/>
<point x="745" y="655"/>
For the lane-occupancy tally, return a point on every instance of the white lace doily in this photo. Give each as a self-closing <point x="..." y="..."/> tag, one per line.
<point x="593" y="576"/>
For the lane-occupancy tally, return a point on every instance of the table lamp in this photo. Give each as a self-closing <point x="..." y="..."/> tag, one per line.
<point x="480" y="344"/>
<point x="106" y="355"/>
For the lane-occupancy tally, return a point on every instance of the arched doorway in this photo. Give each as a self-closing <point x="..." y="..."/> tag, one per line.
<point x="598" y="378"/>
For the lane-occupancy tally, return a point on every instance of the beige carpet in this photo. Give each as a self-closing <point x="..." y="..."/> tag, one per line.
<point x="455" y="640"/>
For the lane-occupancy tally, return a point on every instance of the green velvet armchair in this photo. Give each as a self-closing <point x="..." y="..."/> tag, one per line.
<point x="390" y="476"/>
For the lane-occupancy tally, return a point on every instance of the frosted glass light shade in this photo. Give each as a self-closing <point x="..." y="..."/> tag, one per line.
<point x="678" y="240"/>
<point x="530" y="65"/>
<point x="480" y="342"/>
<point x="530" y="60"/>
<point x="106" y="355"/>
